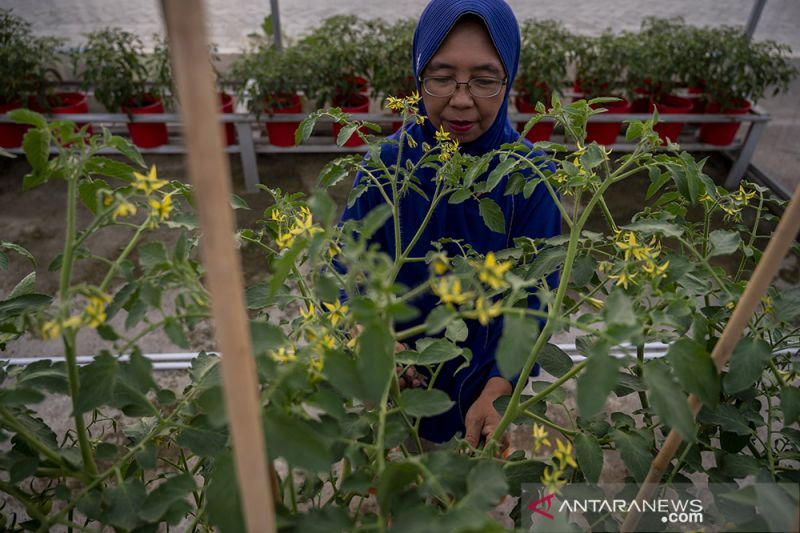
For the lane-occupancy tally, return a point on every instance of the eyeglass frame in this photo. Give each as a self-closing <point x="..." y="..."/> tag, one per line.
<point x="503" y="84"/>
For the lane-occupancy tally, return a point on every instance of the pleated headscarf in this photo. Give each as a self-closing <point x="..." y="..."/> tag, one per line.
<point x="435" y="24"/>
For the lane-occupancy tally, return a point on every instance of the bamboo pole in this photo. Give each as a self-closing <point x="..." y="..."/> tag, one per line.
<point x="210" y="175"/>
<point x="777" y="248"/>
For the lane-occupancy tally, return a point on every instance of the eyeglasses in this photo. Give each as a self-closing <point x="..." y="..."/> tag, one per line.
<point x="444" y="86"/>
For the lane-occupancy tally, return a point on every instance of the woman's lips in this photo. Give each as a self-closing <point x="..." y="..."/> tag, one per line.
<point x="460" y="126"/>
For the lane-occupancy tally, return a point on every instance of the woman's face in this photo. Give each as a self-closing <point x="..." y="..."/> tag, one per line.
<point x="467" y="52"/>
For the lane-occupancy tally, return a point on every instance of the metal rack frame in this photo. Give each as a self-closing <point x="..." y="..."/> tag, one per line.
<point x="250" y="140"/>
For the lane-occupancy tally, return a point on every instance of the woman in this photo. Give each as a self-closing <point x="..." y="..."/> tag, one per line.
<point x="465" y="58"/>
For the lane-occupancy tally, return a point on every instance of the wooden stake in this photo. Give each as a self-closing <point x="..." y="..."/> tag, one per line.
<point x="777" y="248"/>
<point x="210" y="175"/>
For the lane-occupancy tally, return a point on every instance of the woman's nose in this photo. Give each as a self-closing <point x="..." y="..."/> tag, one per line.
<point x="462" y="97"/>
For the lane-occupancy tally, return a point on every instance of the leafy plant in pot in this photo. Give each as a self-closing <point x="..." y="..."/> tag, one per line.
<point x="542" y="69"/>
<point x="739" y="73"/>
<point x="337" y="54"/>
<point x="269" y="80"/>
<point x="389" y="63"/>
<point x="598" y="64"/>
<point x="27" y="68"/>
<point x="113" y="62"/>
<point x="654" y="57"/>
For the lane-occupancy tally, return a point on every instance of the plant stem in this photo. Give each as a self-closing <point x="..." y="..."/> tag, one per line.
<point x="12" y="423"/>
<point x="68" y="337"/>
<point x="123" y="256"/>
<point x="546" y="422"/>
<point x="640" y="373"/>
<point x="554" y="385"/>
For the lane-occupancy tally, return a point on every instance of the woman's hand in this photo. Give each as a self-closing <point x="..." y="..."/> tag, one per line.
<point x="482" y="418"/>
<point x="410" y="378"/>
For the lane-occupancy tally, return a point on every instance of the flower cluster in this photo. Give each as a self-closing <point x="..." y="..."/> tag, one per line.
<point x="449" y="146"/>
<point x="731" y="204"/>
<point x="407" y="106"/>
<point x="636" y="254"/>
<point x="93" y="315"/>
<point x="491" y="271"/>
<point x="302" y="224"/>
<point x="552" y="477"/>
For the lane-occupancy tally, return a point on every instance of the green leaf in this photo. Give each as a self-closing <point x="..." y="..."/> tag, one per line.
<point x="486" y="486"/>
<point x="223" y="502"/>
<point x="25" y="286"/>
<point x="237" y="202"/>
<point x="296" y="441"/>
<point x="345" y="133"/>
<point x="44" y="376"/>
<point x="174" y="330"/>
<point x="103" y="166"/>
<point x="474" y="171"/>
<point x="619" y="309"/>
<point x="435" y="351"/>
<point x="634" y="451"/>
<point x="394" y="480"/>
<point x="26" y="116"/>
<point x="87" y="192"/>
<point x="422" y="402"/>
<point x="668" y="401"/>
<point x="748" y="361"/>
<point x="500" y="171"/>
<point x="284" y="263"/>
<point x="124" y="502"/>
<point x="583" y="270"/>
<point x="547" y="261"/>
<point x="341" y="372"/>
<point x="650" y="227"/>
<point x="457" y="331"/>
<point x="726" y="417"/>
<point x="158" y="502"/>
<point x="590" y="456"/>
<point x="595" y="383"/>
<point x="790" y="404"/>
<point x="438" y="319"/>
<point x="554" y="360"/>
<point x="692" y="365"/>
<point x="519" y="472"/>
<point x="19" y="249"/>
<point x="592" y="157"/>
<point x="459" y="196"/>
<point x="37" y="149"/>
<point x="20" y="396"/>
<point x="375" y="359"/>
<point x="126" y="148"/>
<point x="375" y="220"/>
<point x="518" y="337"/>
<point x="723" y="242"/>
<point x="97" y="380"/>
<point x="152" y="255"/>
<point x="492" y="215"/>
<point x="266" y="337"/>
<point x="202" y="441"/>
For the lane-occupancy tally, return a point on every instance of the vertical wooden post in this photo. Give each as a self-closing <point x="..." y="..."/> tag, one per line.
<point x="779" y="245"/>
<point x="210" y="175"/>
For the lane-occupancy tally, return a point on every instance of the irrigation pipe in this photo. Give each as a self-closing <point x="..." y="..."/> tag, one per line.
<point x="210" y="175"/>
<point x="779" y="245"/>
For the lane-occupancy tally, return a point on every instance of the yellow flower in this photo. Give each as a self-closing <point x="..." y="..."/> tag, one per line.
<point x="284" y="240"/>
<point x="491" y="272"/>
<point x="551" y="480"/>
<point x="595" y="302"/>
<point x="743" y="197"/>
<point x="51" y="330"/>
<point x="108" y="199"/>
<point x="442" y="135"/>
<point x="336" y="311"/>
<point x="304" y="223"/>
<point x="440" y="265"/>
<point x="284" y="355"/>
<point x="308" y="313"/>
<point x="444" y="157"/>
<point x="96" y="309"/>
<point x="411" y="142"/>
<point x="539" y="437"/>
<point x="449" y="291"/>
<point x="413" y="98"/>
<point x="730" y="306"/>
<point x="333" y="250"/>
<point x="315" y="364"/>
<point x="624" y="279"/>
<point x="627" y="244"/>
<point x="328" y="342"/>
<point x="484" y="313"/>
<point x="563" y="454"/>
<point x="419" y="119"/>
<point x="150" y="183"/>
<point x="395" y="104"/>
<point x="161" y="209"/>
<point x="124" y="209"/>
<point x="276" y="215"/>
<point x="766" y="302"/>
<point x="655" y="271"/>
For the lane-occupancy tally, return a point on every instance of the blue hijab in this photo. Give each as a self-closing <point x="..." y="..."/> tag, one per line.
<point x="432" y="29"/>
<point x="534" y="217"/>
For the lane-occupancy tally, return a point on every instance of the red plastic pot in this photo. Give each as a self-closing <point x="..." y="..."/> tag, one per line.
<point x="697" y="96"/>
<point x="541" y="131"/>
<point x="670" y="105"/>
<point x="147" y="134"/>
<point x="578" y="88"/>
<point x="226" y="106"/>
<point x="66" y="103"/>
<point x="606" y="132"/>
<point x="358" y="103"/>
<point x="722" y="134"/>
<point x="11" y="134"/>
<point x="282" y="133"/>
